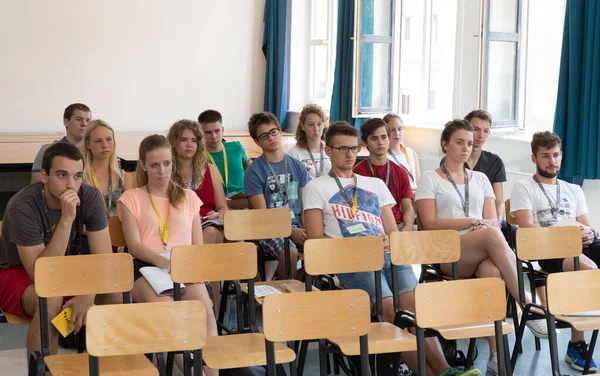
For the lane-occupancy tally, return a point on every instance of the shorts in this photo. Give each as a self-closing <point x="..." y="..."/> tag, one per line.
<point x="137" y="265"/>
<point x="13" y="283"/>
<point x="273" y="247"/>
<point x="407" y="281"/>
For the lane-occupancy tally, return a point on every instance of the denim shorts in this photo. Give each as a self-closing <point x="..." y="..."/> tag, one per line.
<point x="407" y="281"/>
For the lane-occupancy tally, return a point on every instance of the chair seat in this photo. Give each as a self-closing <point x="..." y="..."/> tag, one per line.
<point x="384" y="338"/>
<point x="298" y="286"/>
<point x="477" y="330"/>
<point x="15" y="320"/>
<point x="242" y="350"/>
<point x="581" y="323"/>
<point x="78" y="364"/>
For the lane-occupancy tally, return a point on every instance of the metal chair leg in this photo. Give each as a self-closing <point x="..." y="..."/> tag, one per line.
<point x="553" y="345"/>
<point x="588" y="361"/>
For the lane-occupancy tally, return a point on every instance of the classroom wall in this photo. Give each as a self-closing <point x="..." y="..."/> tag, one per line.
<point x="139" y="64"/>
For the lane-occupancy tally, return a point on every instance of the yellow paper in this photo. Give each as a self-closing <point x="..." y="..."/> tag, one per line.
<point x="61" y="322"/>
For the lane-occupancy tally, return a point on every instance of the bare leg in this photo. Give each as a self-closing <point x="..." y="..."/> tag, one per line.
<point x="487" y="269"/>
<point x="293" y="261"/>
<point x="30" y="304"/>
<point x="197" y="291"/>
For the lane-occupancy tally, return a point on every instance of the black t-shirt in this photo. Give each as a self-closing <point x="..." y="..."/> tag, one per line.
<point x="491" y="165"/>
<point x="25" y="222"/>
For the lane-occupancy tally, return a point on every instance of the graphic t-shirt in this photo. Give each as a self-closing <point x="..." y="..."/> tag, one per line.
<point x="399" y="183"/>
<point x="338" y="222"/>
<point x="259" y="180"/>
<point x="236" y="160"/>
<point x="527" y="195"/>
<point x="302" y="155"/>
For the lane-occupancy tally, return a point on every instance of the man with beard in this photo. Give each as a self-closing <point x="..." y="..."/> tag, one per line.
<point x="544" y="201"/>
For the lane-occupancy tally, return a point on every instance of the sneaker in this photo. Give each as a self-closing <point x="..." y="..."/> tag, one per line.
<point x="539" y="328"/>
<point x="577" y="354"/>
<point x="492" y="365"/>
<point x="461" y="372"/>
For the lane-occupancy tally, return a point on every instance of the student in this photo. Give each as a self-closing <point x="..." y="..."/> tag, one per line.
<point x="543" y="201"/>
<point x="75" y="119"/>
<point x="158" y="216"/>
<point x="399" y="153"/>
<point x="229" y="157"/>
<point x="329" y="212"/>
<point x="309" y="148"/>
<point x="193" y="172"/>
<point x="375" y="134"/>
<point x="484" y="161"/>
<point x="276" y="180"/>
<point x="46" y="219"/>
<point x="102" y="168"/>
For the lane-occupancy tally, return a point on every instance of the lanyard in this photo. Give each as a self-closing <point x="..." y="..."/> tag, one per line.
<point x="312" y="158"/>
<point x="354" y="202"/>
<point x="109" y="194"/>
<point x="464" y="201"/>
<point x="412" y="178"/>
<point x="225" y="167"/>
<point x="387" y="173"/>
<point x="553" y="206"/>
<point x="163" y="228"/>
<point x="284" y="195"/>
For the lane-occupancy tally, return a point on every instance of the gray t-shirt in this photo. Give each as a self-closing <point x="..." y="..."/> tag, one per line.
<point x="37" y="162"/>
<point x="27" y="223"/>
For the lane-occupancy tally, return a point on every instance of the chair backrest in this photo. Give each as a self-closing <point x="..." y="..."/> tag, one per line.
<point x="133" y="179"/>
<point x="509" y="219"/>
<point x="257" y="224"/>
<point x="213" y="262"/>
<point x="573" y="292"/>
<point x="424" y="247"/>
<point x="542" y="243"/>
<point x="316" y="315"/>
<point x="83" y="275"/>
<point x="460" y="302"/>
<point x="141" y="328"/>
<point x="0" y="228"/>
<point x="115" y="228"/>
<point x="343" y="255"/>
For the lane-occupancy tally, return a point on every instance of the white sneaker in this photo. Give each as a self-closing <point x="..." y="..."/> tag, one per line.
<point x="492" y="365"/>
<point x="539" y="328"/>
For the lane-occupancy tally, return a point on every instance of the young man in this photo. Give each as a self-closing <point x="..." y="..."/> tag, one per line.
<point x="229" y="157"/>
<point x="329" y="211"/>
<point x="276" y="180"/>
<point x="543" y="201"/>
<point x="484" y="161"/>
<point x="46" y="219"/>
<point x="375" y="133"/>
<point x="75" y="119"/>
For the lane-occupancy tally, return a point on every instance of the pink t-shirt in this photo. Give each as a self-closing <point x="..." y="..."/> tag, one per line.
<point x="182" y="217"/>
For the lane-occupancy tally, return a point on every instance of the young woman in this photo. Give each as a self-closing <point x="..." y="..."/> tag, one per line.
<point x="401" y="154"/>
<point x="192" y="171"/>
<point x="452" y="197"/>
<point x="310" y="144"/>
<point x="101" y="168"/>
<point x="158" y="216"/>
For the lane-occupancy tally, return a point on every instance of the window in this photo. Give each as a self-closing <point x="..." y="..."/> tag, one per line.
<point x="405" y="97"/>
<point x="406" y="28"/>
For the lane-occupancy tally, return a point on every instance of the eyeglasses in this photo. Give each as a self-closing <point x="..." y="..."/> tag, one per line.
<point x="346" y="149"/>
<point x="265" y="136"/>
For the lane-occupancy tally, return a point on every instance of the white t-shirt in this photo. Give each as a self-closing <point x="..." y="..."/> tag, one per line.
<point x="400" y="159"/>
<point x="447" y="201"/>
<point x="323" y="193"/>
<point x="527" y="195"/>
<point x="312" y="168"/>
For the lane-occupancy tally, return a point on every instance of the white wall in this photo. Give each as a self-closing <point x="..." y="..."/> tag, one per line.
<point x="139" y="64"/>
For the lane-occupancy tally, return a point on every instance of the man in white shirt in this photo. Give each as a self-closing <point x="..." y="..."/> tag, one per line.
<point x="342" y="204"/>
<point x="543" y="201"/>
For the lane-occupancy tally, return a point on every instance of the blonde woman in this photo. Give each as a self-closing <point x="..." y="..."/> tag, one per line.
<point x="401" y="154"/>
<point x="310" y="144"/>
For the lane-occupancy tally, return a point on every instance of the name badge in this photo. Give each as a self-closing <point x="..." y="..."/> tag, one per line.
<point x="356" y="229"/>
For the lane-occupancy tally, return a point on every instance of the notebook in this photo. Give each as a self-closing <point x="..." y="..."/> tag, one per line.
<point x="61" y="322"/>
<point x="584" y="314"/>
<point x="160" y="280"/>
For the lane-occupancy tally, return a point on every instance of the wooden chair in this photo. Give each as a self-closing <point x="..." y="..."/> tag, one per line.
<point x="437" y="309"/>
<point x="542" y="243"/>
<point x="226" y="262"/>
<point x="122" y="333"/>
<point x="300" y="317"/>
<point x="570" y="296"/>
<point x="355" y="255"/>
<point x="115" y="228"/>
<point x="73" y="276"/>
<point x="436" y="247"/>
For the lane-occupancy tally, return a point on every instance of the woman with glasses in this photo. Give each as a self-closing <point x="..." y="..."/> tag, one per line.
<point x="310" y="144"/>
<point x="399" y="153"/>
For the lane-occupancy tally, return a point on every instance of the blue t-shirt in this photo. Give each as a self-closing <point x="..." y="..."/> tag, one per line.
<point x="260" y="181"/>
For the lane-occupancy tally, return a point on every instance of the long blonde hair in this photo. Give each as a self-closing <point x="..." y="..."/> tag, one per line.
<point x="113" y="162"/>
<point x="175" y="192"/>
<point x="199" y="159"/>
<point x="307" y="110"/>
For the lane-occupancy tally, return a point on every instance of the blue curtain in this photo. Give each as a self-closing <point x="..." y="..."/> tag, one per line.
<point x="341" y="99"/>
<point x="276" y="51"/>
<point x="577" y="115"/>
